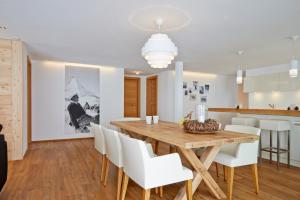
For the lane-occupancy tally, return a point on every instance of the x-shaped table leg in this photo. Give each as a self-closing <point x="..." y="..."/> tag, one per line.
<point x="201" y="171"/>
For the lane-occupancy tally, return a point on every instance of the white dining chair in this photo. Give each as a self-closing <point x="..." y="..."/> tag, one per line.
<point x="114" y="156"/>
<point x="149" y="171"/>
<point x="99" y="146"/>
<point x="237" y="155"/>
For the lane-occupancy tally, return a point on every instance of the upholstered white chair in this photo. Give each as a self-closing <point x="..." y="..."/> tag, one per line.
<point x="114" y="156"/>
<point x="237" y="155"/>
<point x="151" y="172"/>
<point x="99" y="145"/>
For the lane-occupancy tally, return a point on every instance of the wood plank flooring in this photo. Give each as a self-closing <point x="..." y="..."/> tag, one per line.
<point x="64" y="170"/>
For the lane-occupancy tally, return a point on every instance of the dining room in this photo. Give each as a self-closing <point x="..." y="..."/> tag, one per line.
<point x="149" y="100"/>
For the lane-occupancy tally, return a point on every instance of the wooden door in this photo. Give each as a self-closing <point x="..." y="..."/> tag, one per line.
<point x="131" y="97"/>
<point x="29" y="126"/>
<point x="151" y="96"/>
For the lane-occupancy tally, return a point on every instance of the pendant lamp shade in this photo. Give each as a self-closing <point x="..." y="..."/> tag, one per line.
<point x="159" y="51"/>
<point x="293" y="72"/>
<point x="239" y="77"/>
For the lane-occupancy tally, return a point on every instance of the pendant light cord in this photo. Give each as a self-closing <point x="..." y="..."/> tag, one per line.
<point x="294" y="39"/>
<point x="294" y="49"/>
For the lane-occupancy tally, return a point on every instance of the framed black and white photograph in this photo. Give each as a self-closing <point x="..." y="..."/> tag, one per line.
<point x="184" y="85"/>
<point x="206" y="88"/>
<point x="186" y="92"/>
<point x="201" y="89"/>
<point x="82" y="98"/>
<point x="193" y="97"/>
<point x="203" y="99"/>
<point x="190" y="90"/>
<point x="195" y="85"/>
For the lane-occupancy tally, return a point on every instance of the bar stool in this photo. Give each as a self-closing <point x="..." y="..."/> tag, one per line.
<point x="279" y="126"/>
<point x="245" y="121"/>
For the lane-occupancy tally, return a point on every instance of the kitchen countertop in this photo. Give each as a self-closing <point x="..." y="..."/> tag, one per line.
<point x="292" y="113"/>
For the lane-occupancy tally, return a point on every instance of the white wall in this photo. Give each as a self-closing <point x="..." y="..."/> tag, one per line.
<point x="143" y="97"/>
<point x="222" y="94"/>
<point x="166" y="87"/>
<point x="48" y="80"/>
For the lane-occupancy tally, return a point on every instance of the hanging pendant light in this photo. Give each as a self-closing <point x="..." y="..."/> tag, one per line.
<point x="239" y="77"/>
<point x="239" y="74"/>
<point x="293" y="71"/>
<point x="159" y="50"/>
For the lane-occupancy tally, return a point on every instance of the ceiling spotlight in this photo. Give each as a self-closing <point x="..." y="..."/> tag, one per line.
<point x="137" y="73"/>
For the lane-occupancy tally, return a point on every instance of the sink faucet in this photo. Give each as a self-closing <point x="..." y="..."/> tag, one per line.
<point x="272" y="106"/>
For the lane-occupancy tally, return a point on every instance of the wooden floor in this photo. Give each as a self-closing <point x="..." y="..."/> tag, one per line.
<point x="64" y="170"/>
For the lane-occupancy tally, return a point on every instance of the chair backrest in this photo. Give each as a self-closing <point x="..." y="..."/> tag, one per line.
<point x="246" y="150"/>
<point x="113" y="146"/>
<point x="136" y="157"/>
<point x="99" y="138"/>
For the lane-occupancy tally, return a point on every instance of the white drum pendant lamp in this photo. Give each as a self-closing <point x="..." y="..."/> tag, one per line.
<point x="239" y="77"/>
<point x="239" y="74"/>
<point x="293" y="71"/>
<point x="159" y="50"/>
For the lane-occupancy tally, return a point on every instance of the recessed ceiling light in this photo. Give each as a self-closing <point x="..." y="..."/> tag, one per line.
<point x="137" y="73"/>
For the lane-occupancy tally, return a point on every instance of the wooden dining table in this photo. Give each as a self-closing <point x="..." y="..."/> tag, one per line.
<point x="173" y="134"/>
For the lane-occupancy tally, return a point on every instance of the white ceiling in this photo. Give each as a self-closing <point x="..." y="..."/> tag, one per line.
<point x="99" y="32"/>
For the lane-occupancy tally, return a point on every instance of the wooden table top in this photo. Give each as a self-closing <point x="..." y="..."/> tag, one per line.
<point x="172" y="133"/>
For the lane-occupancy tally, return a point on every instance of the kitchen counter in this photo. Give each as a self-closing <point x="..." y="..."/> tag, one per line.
<point x="292" y="113"/>
<point x="262" y="114"/>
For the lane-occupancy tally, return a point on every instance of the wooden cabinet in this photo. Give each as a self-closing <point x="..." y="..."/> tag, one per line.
<point x="11" y="95"/>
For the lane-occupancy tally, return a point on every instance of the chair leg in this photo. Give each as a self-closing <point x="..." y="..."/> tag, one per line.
<point x="120" y="176"/>
<point x="156" y="147"/>
<point x="188" y="187"/>
<point x="217" y="170"/>
<point x="103" y="168"/>
<point x="161" y="191"/>
<point x="230" y="175"/>
<point x="255" y="177"/>
<point x="124" y="186"/>
<point x="106" y="172"/>
<point x="146" y="194"/>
